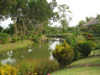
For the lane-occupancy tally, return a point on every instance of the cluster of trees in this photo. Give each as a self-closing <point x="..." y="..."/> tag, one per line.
<point x="28" y="15"/>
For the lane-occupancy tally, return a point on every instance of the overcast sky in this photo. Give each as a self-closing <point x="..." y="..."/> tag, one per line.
<point x="80" y="9"/>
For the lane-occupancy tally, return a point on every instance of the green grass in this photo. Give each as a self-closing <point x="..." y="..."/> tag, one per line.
<point x="95" y="52"/>
<point x="78" y="71"/>
<point x="17" y="45"/>
<point x="89" y="60"/>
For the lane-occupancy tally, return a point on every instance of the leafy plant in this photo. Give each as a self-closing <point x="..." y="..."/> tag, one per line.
<point x="85" y="47"/>
<point x="64" y="54"/>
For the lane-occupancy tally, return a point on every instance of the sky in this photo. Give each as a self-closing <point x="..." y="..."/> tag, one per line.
<point x="80" y="9"/>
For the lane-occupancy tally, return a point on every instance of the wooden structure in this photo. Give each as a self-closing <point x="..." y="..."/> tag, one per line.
<point x="93" y="21"/>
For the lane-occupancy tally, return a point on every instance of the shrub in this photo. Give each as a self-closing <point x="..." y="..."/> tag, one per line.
<point x="85" y="47"/>
<point x="18" y="39"/>
<point x="35" y="39"/>
<point x="63" y="53"/>
<point x="35" y="67"/>
<point x="14" y="39"/>
<point x="71" y="40"/>
<point x="7" y="70"/>
<point x="3" y="37"/>
<point x="84" y="34"/>
<point x="89" y="37"/>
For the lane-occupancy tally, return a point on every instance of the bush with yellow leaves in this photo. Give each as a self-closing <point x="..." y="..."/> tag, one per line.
<point x="7" y="70"/>
<point x="64" y="54"/>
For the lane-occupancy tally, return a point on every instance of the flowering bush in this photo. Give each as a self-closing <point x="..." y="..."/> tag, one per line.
<point x="63" y="53"/>
<point x="35" y="67"/>
<point x="7" y="70"/>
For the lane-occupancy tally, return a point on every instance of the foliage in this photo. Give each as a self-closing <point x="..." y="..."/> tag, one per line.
<point x="35" y="67"/>
<point x="75" y="31"/>
<point x="9" y="30"/>
<point x="1" y="28"/>
<point x="35" y="38"/>
<point x="5" y="7"/>
<point x="97" y="46"/>
<point x="88" y="18"/>
<point x="84" y="34"/>
<point x="81" y="22"/>
<point x="89" y="37"/>
<point x="71" y="28"/>
<point x="63" y="53"/>
<point x="3" y="37"/>
<point x="7" y="70"/>
<point x="71" y="40"/>
<point x="14" y="39"/>
<point x="96" y="28"/>
<point x="85" y="47"/>
<point x="64" y="18"/>
<point x="18" y="39"/>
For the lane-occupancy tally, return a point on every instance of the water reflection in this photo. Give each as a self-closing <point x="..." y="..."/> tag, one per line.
<point x="35" y="51"/>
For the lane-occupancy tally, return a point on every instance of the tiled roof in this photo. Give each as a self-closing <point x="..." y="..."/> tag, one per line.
<point x="93" y="21"/>
<point x="89" y="22"/>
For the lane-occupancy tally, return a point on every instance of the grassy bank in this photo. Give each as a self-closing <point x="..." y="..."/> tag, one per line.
<point x="78" y="71"/>
<point x="88" y="60"/>
<point x="82" y="70"/>
<point x="17" y="45"/>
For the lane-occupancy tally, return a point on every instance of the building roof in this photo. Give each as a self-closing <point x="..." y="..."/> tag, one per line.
<point x="93" y="21"/>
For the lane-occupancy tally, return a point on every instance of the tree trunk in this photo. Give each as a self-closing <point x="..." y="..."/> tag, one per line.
<point x="15" y="28"/>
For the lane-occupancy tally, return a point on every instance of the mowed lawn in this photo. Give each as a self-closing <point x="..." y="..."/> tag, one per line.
<point x="85" y="70"/>
<point x="19" y="44"/>
<point x="88" y="60"/>
<point x="78" y="71"/>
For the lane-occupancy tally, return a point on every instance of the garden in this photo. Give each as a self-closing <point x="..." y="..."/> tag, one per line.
<point x="79" y="49"/>
<point x="27" y="48"/>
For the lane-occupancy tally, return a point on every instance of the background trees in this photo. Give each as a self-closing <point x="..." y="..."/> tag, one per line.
<point x="28" y="15"/>
<point x="65" y="15"/>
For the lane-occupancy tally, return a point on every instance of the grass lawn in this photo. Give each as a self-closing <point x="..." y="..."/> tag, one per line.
<point x="95" y="52"/>
<point x="78" y="71"/>
<point x="89" y="60"/>
<point x="11" y="46"/>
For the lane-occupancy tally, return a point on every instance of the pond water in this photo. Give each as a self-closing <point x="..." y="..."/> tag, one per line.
<point x="35" y="51"/>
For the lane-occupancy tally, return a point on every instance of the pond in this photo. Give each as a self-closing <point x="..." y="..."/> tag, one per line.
<point x="35" y="51"/>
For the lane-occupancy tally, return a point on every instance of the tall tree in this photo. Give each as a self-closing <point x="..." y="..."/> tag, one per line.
<point x="65" y="13"/>
<point x="5" y="7"/>
<point x="15" y="12"/>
